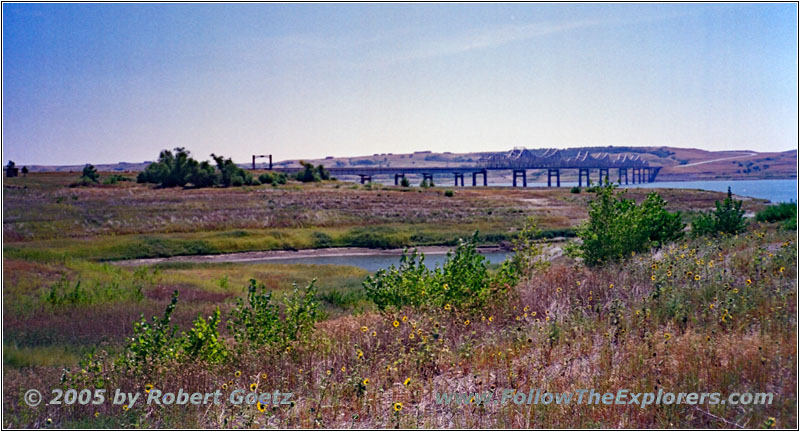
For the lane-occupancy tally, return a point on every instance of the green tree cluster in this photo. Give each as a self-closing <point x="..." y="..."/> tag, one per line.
<point x="178" y="168"/>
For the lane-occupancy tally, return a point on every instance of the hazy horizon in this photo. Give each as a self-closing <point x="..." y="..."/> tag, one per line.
<point x="109" y="83"/>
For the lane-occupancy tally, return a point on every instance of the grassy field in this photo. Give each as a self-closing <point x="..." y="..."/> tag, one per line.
<point x="699" y="315"/>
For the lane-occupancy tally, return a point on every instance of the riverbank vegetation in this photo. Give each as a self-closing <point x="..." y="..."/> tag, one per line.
<point x="689" y="313"/>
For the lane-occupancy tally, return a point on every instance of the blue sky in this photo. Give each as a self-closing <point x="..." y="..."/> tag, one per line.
<point x="104" y="83"/>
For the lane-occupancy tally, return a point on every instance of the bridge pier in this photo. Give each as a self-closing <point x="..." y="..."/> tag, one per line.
<point x="475" y="178"/>
<point x="458" y="176"/>
<point x="366" y="177"/>
<point x="581" y="172"/>
<point x="550" y="173"/>
<point x="635" y="174"/>
<point x="427" y="178"/>
<point x="398" y="176"/>
<point x="603" y="177"/>
<point x="647" y="175"/>
<point x="621" y="170"/>
<point x="524" y="175"/>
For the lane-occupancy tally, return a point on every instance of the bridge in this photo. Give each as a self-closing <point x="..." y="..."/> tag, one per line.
<point x="519" y="161"/>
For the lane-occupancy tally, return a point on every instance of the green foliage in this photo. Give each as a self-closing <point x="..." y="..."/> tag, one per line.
<point x="778" y="212"/>
<point x="426" y="184"/>
<point x="258" y="321"/>
<point x="174" y="169"/>
<point x="152" y="342"/>
<point x="528" y="253"/>
<point x="448" y="193"/>
<point x="115" y="178"/>
<point x="575" y="190"/>
<point x="202" y="342"/>
<point x="24" y="170"/>
<point x="272" y="178"/>
<point x="231" y="174"/>
<point x="727" y="218"/>
<point x="618" y="227"/>
<point x="90" y="173"/>
<point x="463" y="281"/>
<point x="310" y="173"/>
<point x="404" y="182"/>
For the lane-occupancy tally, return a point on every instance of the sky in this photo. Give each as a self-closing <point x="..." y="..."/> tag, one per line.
<point x="104" y="83"/>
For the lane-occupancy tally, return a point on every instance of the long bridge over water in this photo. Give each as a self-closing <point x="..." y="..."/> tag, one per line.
<point x="519" y="161"/>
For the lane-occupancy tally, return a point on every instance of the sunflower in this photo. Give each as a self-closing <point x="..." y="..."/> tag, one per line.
<point x="263" y="376"/>
<point x="374" y="333"/>
<point x="261" y="407"/>
<point x="364" y="329"/>
<point x="237" y="374"/>
<point x="407" y="382"/>
<point x="748" y="281"/>
<point x="96" y="414"/>
<point x="667" y="336"/>
<point x="397" y="406"/>
<point x="447" y="307"/>
<point x="365" y="381"/>
<point x="224" y="386"/>
<point x="344" y="369"/>
<point x="396" y="323"/>
<point x="359" y="353"/>
<point x="124" y="407"/>
<point x="148" y="387"/>
<point x="411" y="336"/>
<point x="697" y="277"/>
<point x="253" y="387"/>
<point x="405" y="318"/>
<point x="466" y="322"/>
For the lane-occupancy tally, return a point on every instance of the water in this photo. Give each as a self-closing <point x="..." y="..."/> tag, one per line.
<point x="373" y="263"/>
<point x="773" y="190"/>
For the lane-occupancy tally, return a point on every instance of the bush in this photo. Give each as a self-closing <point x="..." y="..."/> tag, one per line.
<point x="777" y="212"/>
<point x="115" y="178"/>
<point x="404" y="182"/>
<point x="152" y="342"/>
<point x="258" y="321"/>
<point x="575" y="190"/>
<point x="727" y="218"/>
<point x="463" y="282"/>
<point x="202" y="342"/>
<point x="448" y="193"/>
<point x="617" y="227"/>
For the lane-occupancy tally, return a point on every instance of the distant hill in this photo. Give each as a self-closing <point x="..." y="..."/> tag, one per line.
<point x="678" y="163"/>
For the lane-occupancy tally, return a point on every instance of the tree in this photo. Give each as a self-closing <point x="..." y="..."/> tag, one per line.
<point x="230" y="173"/>
<point x="89" y="174"/>
<point x="727" y="218"/>
<point x="171" y="169"/>
<point x="25" y="170"/>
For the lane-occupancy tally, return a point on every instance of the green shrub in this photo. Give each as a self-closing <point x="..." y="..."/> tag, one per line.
<point x="575" y="190"/>
<point x="257" y="322"/>
<point x="202" y="342"/>
<point x="617" y="227"/>
<point x="727" y="218"/>
<point x="778" y="212"/>
<point x="463" y="282"/>
<point x="448" y="193"/>
<point x="152" y="342"/>
<point x="115" y="178"/>
<point x="404" y="182"/>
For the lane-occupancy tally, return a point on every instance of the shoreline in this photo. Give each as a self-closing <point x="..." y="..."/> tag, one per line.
<point x="277" y="255"/>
